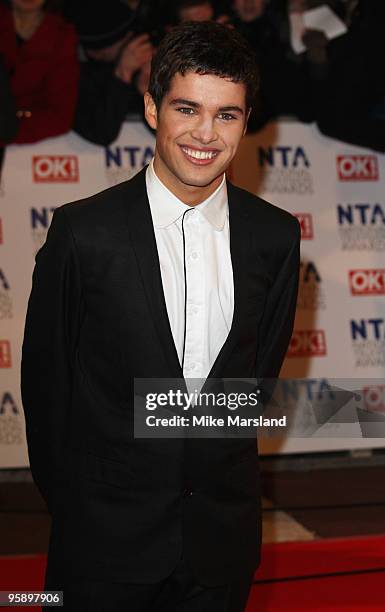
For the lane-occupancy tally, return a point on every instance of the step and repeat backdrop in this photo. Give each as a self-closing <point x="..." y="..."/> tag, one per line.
<point x="335" y="190"/>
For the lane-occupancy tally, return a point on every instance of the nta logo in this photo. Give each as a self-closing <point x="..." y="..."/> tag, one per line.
<point x="367" y="329"/>
<point x="286" y="157"/>
<point x="307" y="343"/>
<point x="133" y="157"/>
<point x="360" y="214"/>
<point x="285" y="169"/>
<point x="367" y="282"/>
<point x="55" y="169"/>
<point x="357" y="168"/>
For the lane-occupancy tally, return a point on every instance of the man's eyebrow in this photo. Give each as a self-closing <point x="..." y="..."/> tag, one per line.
<point x="226" y="109"/>
<point x="185" y="102"/>
<point x="222" y="109"/>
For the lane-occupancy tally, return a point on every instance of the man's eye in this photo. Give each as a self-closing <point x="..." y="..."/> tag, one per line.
<point x="226" y="116"/>
<point x="185" y="110"/>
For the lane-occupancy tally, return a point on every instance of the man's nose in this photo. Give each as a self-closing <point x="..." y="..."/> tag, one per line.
<point x="204" y="131"/>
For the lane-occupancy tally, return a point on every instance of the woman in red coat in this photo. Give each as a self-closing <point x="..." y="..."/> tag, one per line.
<point x="38" y="55"/>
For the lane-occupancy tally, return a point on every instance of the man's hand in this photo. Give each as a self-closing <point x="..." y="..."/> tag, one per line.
<point x="134" y="56"/>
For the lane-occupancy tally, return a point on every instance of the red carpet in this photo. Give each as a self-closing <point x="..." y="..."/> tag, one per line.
<point x="364" y="592"/>
<point x="286" y="559"/>
<point x="23" y="573"/>
<point x="345" y="574"/>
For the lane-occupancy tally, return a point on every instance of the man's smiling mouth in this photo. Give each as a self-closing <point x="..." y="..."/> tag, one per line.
<point x="199" y="155"/>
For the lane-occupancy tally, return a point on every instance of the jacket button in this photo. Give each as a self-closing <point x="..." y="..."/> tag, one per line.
<point x="187" y="493"/>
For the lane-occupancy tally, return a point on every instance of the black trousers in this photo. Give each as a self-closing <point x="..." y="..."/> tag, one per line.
<point x="177" y="593"/>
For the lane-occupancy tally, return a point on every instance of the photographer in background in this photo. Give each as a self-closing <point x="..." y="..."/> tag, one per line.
<point x="194" y="10"/>
<point x="285" y="85"/>
<point x="200" y="10"/>
<point x="115" y="71"/>
<point x="38" y="72"/>
<point x="352" y="97"/>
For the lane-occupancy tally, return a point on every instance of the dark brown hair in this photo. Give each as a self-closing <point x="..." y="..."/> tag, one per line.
<point x="204" y="47"/>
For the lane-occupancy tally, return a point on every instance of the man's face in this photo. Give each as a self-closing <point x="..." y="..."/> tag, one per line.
<point x="200" y="123"/>
<point x="248" y="10"/>
<point x="202" y="12"/>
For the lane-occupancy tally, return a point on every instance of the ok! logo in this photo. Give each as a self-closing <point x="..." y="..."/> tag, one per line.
<point x="55" y="169"/>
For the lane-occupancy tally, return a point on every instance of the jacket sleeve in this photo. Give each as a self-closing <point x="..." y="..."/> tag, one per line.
<point x="54" y="313"/>
<point x="53" y="113"/>
<point x="278" y="320"/>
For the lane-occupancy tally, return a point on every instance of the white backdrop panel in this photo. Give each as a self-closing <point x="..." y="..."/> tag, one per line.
<point x="337" y="334"/>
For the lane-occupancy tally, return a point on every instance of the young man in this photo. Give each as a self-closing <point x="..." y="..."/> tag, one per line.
<point x="175" y="273"/>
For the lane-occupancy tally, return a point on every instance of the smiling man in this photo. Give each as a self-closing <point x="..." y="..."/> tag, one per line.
<point x="175" y="274"/>
<point x="199" y="125"/>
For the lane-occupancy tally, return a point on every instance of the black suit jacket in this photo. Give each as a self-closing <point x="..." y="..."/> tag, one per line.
<point x="96" y="319"/>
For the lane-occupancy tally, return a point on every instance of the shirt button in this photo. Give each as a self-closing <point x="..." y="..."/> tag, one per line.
<point x="194" y="255"/>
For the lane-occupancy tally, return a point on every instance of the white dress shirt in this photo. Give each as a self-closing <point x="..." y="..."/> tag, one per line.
<point x="209" y="274"/>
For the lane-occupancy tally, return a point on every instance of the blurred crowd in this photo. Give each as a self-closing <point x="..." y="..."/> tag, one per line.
<point x="85" y="64"/>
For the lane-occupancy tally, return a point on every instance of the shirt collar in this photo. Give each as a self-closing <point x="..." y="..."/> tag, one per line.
<point x="166" y="208"/>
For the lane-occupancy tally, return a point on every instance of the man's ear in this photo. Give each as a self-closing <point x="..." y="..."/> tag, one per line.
<point x="150" y="111"/>
<point x="246" y="120"/>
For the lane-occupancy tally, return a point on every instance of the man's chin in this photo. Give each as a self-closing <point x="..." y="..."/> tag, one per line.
<point x="200" y="181"/>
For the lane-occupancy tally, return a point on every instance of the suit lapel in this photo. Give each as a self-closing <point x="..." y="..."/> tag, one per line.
<point x="142" y="235"/>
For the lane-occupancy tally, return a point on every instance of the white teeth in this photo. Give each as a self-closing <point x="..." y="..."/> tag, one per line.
<point x="199" y="154"/>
